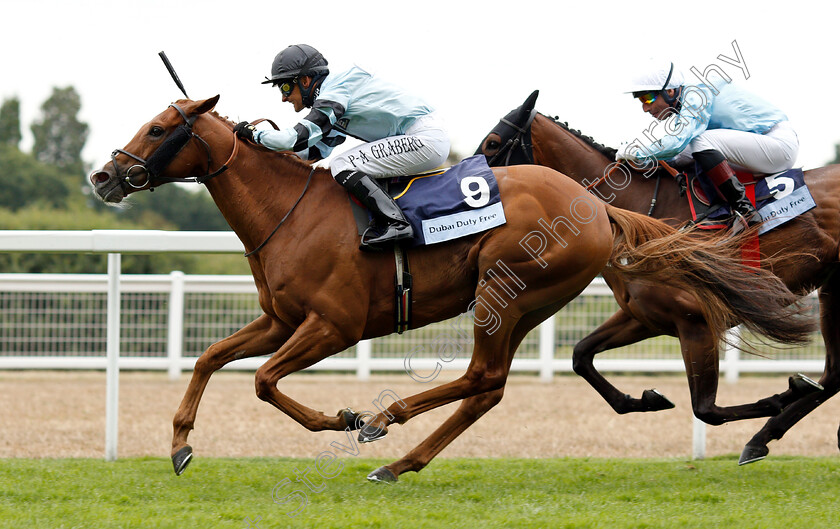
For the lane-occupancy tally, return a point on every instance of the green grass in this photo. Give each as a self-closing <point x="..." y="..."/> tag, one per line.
<point x="780" y="492"/>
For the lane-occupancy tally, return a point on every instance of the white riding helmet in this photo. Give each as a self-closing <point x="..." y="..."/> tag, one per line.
<point x="655" y="76"/>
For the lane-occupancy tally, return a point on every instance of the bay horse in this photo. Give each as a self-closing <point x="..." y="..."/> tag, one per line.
<point x="803" y="252"/>
<point x="320" y="294"/>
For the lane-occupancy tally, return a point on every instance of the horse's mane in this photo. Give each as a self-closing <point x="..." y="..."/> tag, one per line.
<point x="224" y="119"/>
<point x="282" y="154"/>
<point x="609" y="152"/>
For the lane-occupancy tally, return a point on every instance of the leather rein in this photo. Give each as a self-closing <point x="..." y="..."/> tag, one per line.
<point x="166" y="153"/>
<point x="616" y="165"/>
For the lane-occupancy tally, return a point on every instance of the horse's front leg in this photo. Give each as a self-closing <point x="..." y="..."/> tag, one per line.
<point x="620" y="330"/>
<point x="262" y="336"/>
<point x="315" y="339"/>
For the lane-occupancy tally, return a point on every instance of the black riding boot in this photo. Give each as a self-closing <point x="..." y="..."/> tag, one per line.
<point x="726" y="181"/>
<point x="380" y="205"/>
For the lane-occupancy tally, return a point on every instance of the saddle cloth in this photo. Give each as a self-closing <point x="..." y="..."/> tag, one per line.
<point x="445" y="205"/>
<point x="778" y="198"/>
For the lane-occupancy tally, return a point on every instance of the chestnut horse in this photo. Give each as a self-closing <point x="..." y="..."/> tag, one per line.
<point x="321" y="295"/>
<point x="805" y="257"/>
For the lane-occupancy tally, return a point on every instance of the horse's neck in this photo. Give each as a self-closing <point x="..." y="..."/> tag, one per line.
<point x="257" y="191"/>
<point x="572" y="156"/>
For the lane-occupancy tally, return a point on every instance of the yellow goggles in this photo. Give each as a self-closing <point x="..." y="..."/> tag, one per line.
<point x="648" y="97"/>
<point x="286" y="87"/>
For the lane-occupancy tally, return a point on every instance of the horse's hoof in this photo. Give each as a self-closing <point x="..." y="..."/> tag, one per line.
<point x="653" y="400"/>
<point x="802" y="385"/>
<point x="382" y="475"/>
<point x="181" y="459"/>
<point x="751" y="454"/>
<point x="369" y="433"/>
<point x="351" y="419"/>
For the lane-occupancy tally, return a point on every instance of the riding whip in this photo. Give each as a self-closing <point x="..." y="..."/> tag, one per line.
<point x="172" y="73"/>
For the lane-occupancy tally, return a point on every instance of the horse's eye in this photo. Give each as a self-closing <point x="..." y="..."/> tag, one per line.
<point x="156" y="131"/>
<point x="493" y="144"/>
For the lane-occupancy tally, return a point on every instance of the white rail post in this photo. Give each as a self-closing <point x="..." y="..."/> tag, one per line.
<point x="698" y="442"/>
<point x="363" y="353"/>
<point x="547" y="332"/>
<point x="112" y="389"/>
<point x="732" y="357"/>
<point x="175" y="325"/>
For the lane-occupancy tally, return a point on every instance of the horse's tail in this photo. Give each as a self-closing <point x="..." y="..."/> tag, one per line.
<point x="729" y="292"/>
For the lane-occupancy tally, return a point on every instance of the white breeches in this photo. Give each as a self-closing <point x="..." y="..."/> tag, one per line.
<point x="768" y="153"/>
<point x="424" y="147"/>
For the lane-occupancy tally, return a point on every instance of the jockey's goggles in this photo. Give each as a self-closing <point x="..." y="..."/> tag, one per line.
<point x="286" y="87"/>
<point x="648" y="97"/>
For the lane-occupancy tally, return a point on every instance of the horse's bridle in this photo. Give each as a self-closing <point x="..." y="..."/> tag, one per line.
<point x="516" y="142"/>
<point x="165" y="154"/>
<point x="169" y="149"/>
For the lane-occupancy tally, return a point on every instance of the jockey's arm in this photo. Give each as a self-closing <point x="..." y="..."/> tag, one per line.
<point x="313" y="129"/>
<point x="680" y="128"/>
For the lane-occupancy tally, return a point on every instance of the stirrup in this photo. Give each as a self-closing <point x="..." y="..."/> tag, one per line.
<point x="741" y="223"/>
<point x="392" y="234"/>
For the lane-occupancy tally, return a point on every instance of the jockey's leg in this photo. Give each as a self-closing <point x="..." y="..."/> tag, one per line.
<point x="723" y="177"/>
<point x="380" y="204"/>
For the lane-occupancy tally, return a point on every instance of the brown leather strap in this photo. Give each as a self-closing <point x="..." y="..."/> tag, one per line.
<point x="601" y="180"/>
<point x="671" y="171"/>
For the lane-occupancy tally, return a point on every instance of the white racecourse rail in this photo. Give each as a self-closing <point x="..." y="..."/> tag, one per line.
<point x="546" y="350"/>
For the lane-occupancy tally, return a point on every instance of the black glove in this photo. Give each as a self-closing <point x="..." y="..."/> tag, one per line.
<point x="244" y="130"/>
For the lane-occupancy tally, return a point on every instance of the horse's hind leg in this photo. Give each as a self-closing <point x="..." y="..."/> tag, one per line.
<point x="488" y="371"/>
<point x="666" y="309"/>
<point x="619" y="330"/>
<point x="756" y="449"/>
<point x="261" y="336"/>
<point x="700" y="354"/>
<point x="470" y="410"/>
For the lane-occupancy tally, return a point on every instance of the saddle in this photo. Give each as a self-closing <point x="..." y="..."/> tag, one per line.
<point x="444" y="205"/>
<point x="779" y="198"/>
<point x="441" y="206"/>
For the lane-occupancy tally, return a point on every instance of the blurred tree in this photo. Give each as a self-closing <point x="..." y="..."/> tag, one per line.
<point x="188" y="209"/>
<point x="59" y="135"/>
<point x="24" y="180"/>
<point x="10" y="122"/>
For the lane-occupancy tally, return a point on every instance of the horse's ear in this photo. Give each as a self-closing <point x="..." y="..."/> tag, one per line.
<point x="204" y="106"/>
<point x="529" y="103"/>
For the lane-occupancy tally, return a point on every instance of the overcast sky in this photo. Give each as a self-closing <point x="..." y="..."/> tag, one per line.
<point x="474" y="61"/>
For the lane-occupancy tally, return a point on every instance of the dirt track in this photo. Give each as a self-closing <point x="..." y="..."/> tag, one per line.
<point x="52" y="414"/>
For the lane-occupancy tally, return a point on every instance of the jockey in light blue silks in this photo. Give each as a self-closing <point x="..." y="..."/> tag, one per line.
<point x="401" y="133"/>
<point x="714" y="124"/>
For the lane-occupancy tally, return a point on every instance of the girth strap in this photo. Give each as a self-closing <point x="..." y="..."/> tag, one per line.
<point x="402" y="283"/>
